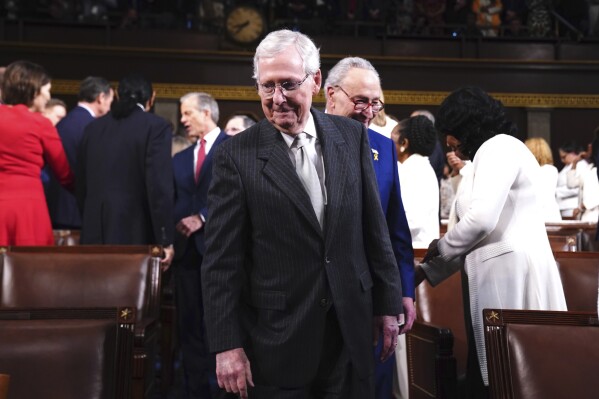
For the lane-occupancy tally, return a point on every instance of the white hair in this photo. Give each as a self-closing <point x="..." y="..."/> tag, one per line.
<point x="342" y="68"/>
<point x="203" y="101"/>
<point x="278" y="41"/>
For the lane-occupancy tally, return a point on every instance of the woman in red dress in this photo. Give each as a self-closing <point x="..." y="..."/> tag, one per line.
<point x="27" y="141"/>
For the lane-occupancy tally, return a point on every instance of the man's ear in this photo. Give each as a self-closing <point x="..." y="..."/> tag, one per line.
<point x="317" y="82"/>
<point x="151" y="101"/>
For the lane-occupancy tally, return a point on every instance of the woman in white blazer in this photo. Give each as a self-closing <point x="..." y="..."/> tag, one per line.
<point x="499" y="242"/>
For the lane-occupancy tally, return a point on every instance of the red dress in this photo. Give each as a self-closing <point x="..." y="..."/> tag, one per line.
<point x="27" y="141"/>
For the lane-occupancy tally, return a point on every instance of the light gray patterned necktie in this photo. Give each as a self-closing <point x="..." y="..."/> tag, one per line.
<point x="309" y="177"/>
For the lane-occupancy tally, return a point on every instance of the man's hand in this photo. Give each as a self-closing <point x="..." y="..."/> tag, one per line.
<point x="233" y="372"/>
<point x="409" y="310"/>
<point x="169" y="254"/>
<point x="388" y="326"/>
<point x="189" y="225"/>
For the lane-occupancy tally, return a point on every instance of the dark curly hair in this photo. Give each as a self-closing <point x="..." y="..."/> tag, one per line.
<point x="472" y="116"/>
<point x="421" y="134"/>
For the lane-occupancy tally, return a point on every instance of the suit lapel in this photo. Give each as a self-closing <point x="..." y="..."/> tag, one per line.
<point x="334" y="152"/>
<point x="273" y="150"/>
<point x="207" y="166"/>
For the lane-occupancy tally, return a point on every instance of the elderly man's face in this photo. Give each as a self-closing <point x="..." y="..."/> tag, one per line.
<point x="234" y="126"/>
<point x="194" y="120"/>
<point x="359" y="85"/>
<point x="288" y="111"/>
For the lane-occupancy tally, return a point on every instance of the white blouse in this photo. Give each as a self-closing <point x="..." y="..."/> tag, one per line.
<point x="567" y="197"/>
<point x="588" y="195"/>
<point x="420" y="196"/>
<point x="548" y="188"/>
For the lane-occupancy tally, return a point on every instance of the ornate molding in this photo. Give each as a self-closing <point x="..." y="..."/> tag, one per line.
<point x="173" y="91"/>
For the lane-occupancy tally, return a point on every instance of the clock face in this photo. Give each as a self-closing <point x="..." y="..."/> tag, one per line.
<point x="245" y="24"/>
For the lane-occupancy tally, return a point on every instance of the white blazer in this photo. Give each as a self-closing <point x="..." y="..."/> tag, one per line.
<point x="500" y="239"/>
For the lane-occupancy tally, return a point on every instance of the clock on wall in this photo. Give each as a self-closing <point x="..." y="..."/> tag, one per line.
<point x="245" y="24"/>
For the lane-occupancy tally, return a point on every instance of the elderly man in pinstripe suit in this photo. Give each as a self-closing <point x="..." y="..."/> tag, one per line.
<point x="297" y="281"/>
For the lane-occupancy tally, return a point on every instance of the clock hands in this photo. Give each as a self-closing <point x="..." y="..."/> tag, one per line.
<point x="239" y="27"/>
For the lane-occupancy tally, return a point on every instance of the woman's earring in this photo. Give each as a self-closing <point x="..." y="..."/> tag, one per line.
<point x="402" y="149"/>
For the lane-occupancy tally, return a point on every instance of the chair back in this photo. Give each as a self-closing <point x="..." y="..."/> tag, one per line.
<point x="83" y="276"/>
<point x="579" y="272"/>
<point x="534" y="354"/>
<point x="436" y="345"/>
<point x="4" y="382"/>
<point x="67" y="353"/>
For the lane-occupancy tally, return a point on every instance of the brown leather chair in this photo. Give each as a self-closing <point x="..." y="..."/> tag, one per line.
<point x="579" y="272"/>
<point x="534" y="354"/>
<point x="436" y="345"/>
<point x="4" y="382"/>
<point x="92" y="276"/>
<point x="67" y="353"/>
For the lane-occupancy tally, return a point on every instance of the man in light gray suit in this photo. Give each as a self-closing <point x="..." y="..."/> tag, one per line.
<point x="299" y="276"/>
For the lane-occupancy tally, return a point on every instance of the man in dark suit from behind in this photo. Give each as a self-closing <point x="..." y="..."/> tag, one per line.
<point x="299" y="276"/>
<point x="94" y="99"/>
<point x="192" y="170"/>
<point x="124" y="173"/>
<point x="353" y="89"/>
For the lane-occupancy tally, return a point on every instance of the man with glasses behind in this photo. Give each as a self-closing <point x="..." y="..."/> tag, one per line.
<point x="298" y="266"/>
<point x="353" y="89"/>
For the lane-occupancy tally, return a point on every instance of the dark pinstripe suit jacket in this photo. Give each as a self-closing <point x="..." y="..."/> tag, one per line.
<point x="270" y="273"/>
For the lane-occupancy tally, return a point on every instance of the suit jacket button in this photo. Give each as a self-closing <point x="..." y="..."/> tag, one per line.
<point x="324" y="303"/>
<point x="327" y="260"/>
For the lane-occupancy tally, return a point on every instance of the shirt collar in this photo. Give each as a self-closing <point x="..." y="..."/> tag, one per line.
<point x="87" y="108"/>
<point x="310" y="129"/>
<point x="210" y="137"/>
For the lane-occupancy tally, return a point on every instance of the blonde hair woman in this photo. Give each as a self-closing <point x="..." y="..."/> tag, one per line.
<point x="548" y="177"/>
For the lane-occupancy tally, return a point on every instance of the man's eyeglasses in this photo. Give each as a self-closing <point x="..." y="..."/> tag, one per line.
<point x="268" y="89"/>
<point x="361" y="105"/>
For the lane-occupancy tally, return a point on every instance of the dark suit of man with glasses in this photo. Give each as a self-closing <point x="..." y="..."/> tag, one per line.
<point x="299" y="269"/>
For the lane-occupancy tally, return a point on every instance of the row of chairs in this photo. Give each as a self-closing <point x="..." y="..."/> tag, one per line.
<point x="437" y="348"/>
<point x="72" y="316"/>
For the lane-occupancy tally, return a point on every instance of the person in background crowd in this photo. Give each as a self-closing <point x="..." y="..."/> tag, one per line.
<point x="55" y="110"/>
<point x="488" y="16"/>
<point x="437" y="158"/>
<point x="587" y="184"/>
<point x="125" y="174"/>
<point x="383" y="123"/>
<point x="446" y="193"/>
<point x="27" y="141"/>
<point x="415" y="140"/>
<point x="353" y="89"/>
<point x="299" y="271"/>
<point x="93" y="101"/>
<point x="548" y="177"/>
<point x="238" y="123"/>
<point x="192" y="170"/>
<point x="567" y="197"/>
<point x="499" y="243"/>
<point x="180" y="143"/>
